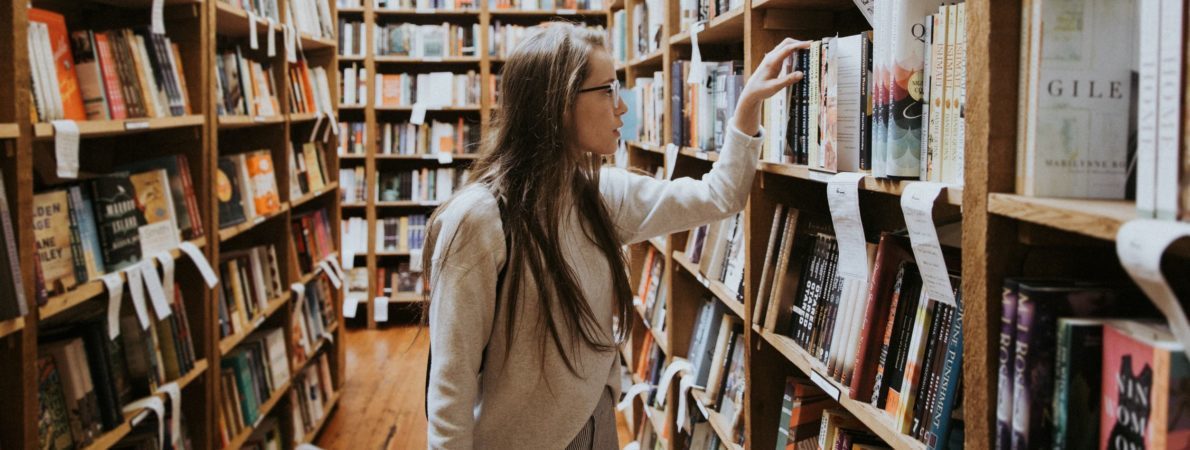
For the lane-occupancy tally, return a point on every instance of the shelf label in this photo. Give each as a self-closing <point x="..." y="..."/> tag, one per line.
<point x="136" y="287"/>
<point x="151" y="403"/>
<point x="842" y="194"/>
<point x="826" y="386"/>
<point x="350" y="306"/>
<point x="380" y="309"/>
<point x="675" y="367"/>
<point x="272" y="39"/>
<point x="1140" y="243"/>
<point x="698" y="71"/>
<point x="917" y="203"/>
<point x="136" y="125"/>
<point x="66" y="147"/>
<point x="115" y="295"/>
<point x="157" y="17"/>
<point x="156" y="291"/>
<point x="200" y="261"/>
<point x="174" y="393"/>
<point x="166" y="259"/>
<point x="253" y="42"/>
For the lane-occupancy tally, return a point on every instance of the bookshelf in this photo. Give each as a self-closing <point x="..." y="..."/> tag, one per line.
<point x="375" y="162"/>
<point x="200" y="136"/>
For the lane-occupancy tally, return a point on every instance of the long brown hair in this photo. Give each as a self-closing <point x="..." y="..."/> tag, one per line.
<point x="536" y="178"/>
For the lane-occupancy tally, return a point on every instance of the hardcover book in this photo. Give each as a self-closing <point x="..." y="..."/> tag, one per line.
<point x="119" y="220"/>
<point x="1146" y="386"/>
<point x="52" y="234"/>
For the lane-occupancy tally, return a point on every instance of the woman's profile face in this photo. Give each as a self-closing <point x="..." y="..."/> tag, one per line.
<point x="596" y="122"/>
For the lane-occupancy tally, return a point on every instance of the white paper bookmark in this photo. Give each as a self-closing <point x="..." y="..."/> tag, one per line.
<point x="317" y="123"/>
<point x="917" y="203"/>
<point x="136" y="287"/>
<point x="272" y="39"/>
<point x="683" y="393"/>
<point x="115" y="295"/>
<point x="290" y="44"/>
<point x="334" y="123"/>
<point x="1140" y="244"/>
<point x="334" y="262"/>
<point x="380" y="309"/>
<point x="418" y="117"/>
<point x="634" y="445"/>
<point x="175" y="402"/>
<point x="157" y="17"/>
<point x="350" y="306"/>
<point x="151" y="403"/>
<point x="156" y="292"/>
<point x="299" y="292"/>
<point x="415" y="257"/>
<point x="200" y="261"/>
<point x="253" y="41"/>
<point x="698" y="70"/>
<point x="330" y="274"/>
<point x="167" y="278"/>
<point x="675" y="367"/>
<point x="842" y="194"/>
<point x="445" y="157"/>
<point x="636" y="390"/>
<point x="671" y="159"/>
<point x="66" y="147"/>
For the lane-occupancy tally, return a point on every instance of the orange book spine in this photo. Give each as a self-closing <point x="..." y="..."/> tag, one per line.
<point x="68" y="82"/>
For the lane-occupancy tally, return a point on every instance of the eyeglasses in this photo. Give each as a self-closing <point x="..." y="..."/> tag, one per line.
<point x="615" y="91"/>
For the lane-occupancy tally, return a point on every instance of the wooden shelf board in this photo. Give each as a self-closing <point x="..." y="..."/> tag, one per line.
<point x="317" y="428"/>
<point x="316" y="43"/>
<point x="265" y="409"/>
<point x="359" y="107"/>
<point x="302" y="117"/>
<point x="227" y="344"/>
<point x="467" y="108"/>
<point x="832" y="5"/>
<point x="101" y="128"/>
<point x="350" y="10"/>
<point x="80" y="294"/>
<point x="389" y="253"/>
<point x="424" y="157"/>
<point x="427" y="12"/>
<point x="9" y="131"/>
<point x="233" y="122"/>
<point x="954" y="194"/>
<point x="11" y="326"/>
<point x="408" y="204"/>
<point x="616" y="4"/>
<point x="548" y="13"/>
<point x="352" y="157"/>
<point x="353" y="205"/>
<point x="114" y="436"/>
<point x="232" y="21"/>
<point x="647" y="147"/>
<point x="719" y="423"/>
<point x="695" y="153"/>
<point x="1096" y="218"/>
<point x="345" y="59"/>
<point x="651" y="60"/>
<point x="423" y="60"/>
<point x="716" y="287"/>
<point x="226" y="234"/>
<point x="876" y="420"/>
<point x="725" y="29"/>
<point x="332" y="187"/>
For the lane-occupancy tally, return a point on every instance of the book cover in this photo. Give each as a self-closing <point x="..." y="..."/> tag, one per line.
<point x="159" y="230"/>
<point x="64" y="63"/>
<point x="52" y="234"/>
<point x="228" y="192"/>
<point x="907" y="60"/>
<point x="90" y="77"/>
<point x="53" y="423"/>
<point x="1145" y="377"/>
<point x="88" y="232"/>
<point x="1077" y="378"/>
<point x="891" y="252"/>
<point x="264" y="182"/>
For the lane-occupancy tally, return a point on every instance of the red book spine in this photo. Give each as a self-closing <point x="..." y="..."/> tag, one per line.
<point x="196" y="230"/>
<point x="111" y="81"/>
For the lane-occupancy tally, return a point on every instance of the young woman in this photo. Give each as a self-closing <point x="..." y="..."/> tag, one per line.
<point x="525" y="263"/>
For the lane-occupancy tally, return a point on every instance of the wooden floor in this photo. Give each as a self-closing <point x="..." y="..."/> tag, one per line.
<point x="382" y="404"/>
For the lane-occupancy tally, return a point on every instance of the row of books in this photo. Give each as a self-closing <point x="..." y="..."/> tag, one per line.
<point x="247" y="183"/>
<point x="449" y="5"/>
<point x="619" y="35"/>
<point x="648" y="18"/>
<point x="312" y="17"/>
<point x="12" y="290"/>
<point x="251" y="279"/>
<point x="309" y="90"/>
<point x="646" y="109"/>
<point x="1162" y="186"/>
<point x="314" y="317"/>
<point x="86" y="379"/>
<point x="1083" y="365"/>
<point x="427" y="41"/>
<point x="351" y="38"/>
<point x="718" y="249"/>
<point x="110" y="222"/>
<point x="310" y="398"/>
<point x="353" y="138"/>
<point x="648" y="367"/>
<point x="265" y="9"/>
<point x="403" y="138"/>
<point x="246" y="87"/>
<point x="354" y="240"/>
<point x="354" y="88"/>
<point x="503" y="38"/>
<point x="353" y="186"/>
<point x="313" y="238"/>
<point x="401" y="234"/>
<point x="420" y="185"/>
<point x="307" y="169"/>
<point x="885" y="342"/>
<point x="391" y="281"/>
<point x="254" y="372"/>
<point x="548" y="5"/>
<point x="430" y="89"/>
<point x="691" y="11"/>
<point x="716" y="357"/>
<point x="102" y="75"/>
<point x="653" y="294"/>
<point x="707" y="105"/>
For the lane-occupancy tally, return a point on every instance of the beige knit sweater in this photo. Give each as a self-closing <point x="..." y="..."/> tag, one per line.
<point x="531" y="400"/>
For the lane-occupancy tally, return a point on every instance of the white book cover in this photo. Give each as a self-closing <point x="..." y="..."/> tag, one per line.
<point x="1170" y="83"/>
<point x="848" y="55"/>
<point x="907" y="59"/>
<point x="1081" y="86"/>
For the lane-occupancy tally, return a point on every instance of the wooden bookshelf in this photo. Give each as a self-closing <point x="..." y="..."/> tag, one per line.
<point x="1095" y="218"/>
<point x="953" y="194"/>
<point x="232" y="122"/>
<point x="724" y="29"/>
<point x="715" y="287"/>
<point x="328" y="407"/>
<point x="265" y="408"/>
<point x="332" y="187"/>
<point x="112" y="437"/>
<point x="105" y="128"/>
<point x="11" y="326"/>
<point x="227" y="234"/>
<point x="229" y="343"/>
<point x="719" y="423"/>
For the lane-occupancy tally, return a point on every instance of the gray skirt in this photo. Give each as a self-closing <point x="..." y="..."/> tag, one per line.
<point x="600" y="431"/>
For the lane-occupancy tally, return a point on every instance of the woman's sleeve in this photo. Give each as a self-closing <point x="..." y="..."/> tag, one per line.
<point x="643" y="207"/>
<point x="462" y="306"/>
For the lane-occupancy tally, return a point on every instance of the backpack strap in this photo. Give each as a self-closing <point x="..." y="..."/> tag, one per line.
<point x="499" y="289"/>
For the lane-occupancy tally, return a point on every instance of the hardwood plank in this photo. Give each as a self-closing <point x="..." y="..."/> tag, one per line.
<point x="228" y="233"/>
<point x="725" y="29"/>
<point x="719" y="423"/>
<point x="333" y="187"/>
<point x="229" y="343"/>
<point x="9" y="131"/>
<point x="717" y="288"/>
<point x="1096" y="218"/>
<point x="11" y="326"/>
<point x="102" y="128"/>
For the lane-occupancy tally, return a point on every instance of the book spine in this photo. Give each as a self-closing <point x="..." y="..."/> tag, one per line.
<point x="111" y="81"/>
<point x="949" y="385"/>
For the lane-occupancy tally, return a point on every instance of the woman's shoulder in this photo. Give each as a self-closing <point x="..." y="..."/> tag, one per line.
<point x="472" y="214"/>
